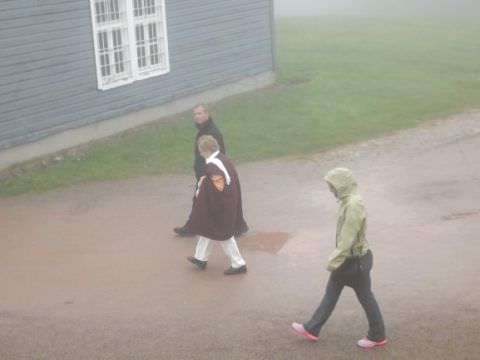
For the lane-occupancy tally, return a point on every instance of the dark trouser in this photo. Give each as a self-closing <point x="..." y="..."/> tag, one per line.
<point x="187" y="224"/>
<point x="362" y="288"/>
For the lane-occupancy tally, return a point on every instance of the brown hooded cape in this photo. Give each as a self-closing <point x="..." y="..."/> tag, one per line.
<point x="218" y="215"/>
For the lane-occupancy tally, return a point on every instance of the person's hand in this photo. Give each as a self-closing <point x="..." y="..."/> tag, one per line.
<point x="199" y="184"/>
<point x="201" y="180"/>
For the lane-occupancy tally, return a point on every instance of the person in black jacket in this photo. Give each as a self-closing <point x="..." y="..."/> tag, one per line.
<point x="205" y="126"/>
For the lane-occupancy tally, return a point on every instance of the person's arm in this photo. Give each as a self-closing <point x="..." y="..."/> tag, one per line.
<point x="200" y="181"/>
<point x="354" y="218"/>
<point x="219" y="137"/>
<point x="198" y="164"/>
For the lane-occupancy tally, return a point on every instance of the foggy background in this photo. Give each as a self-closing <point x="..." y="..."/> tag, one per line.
<point x="377" y="7"/>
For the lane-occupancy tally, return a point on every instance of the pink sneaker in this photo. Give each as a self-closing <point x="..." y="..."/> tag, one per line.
<point x="366" y="343"/>
<point x="300" y="330"/>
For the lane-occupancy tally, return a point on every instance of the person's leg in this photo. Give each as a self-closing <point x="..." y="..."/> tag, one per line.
<point x="203" y="248"/>
<point x="184" y="230"/>
<point x="233" y="253"/>
<point x="194" y="199"/>
<point x="376" y="331"/>
<point x="325" y="309"/>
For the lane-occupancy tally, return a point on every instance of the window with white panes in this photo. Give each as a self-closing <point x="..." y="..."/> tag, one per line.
<point x="130" y="38"/>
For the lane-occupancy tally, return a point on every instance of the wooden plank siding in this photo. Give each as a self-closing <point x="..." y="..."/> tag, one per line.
<point x="48" y="78"/>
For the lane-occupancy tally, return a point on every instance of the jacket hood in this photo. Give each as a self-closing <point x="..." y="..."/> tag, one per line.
<point x="342" y="180"/>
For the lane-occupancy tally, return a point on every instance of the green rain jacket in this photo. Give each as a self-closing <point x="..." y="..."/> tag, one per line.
<point x="351" y="219"/>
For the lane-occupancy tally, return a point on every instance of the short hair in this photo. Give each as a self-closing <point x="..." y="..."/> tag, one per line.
<point x="207" y="143"/>
<point x="201" y="105"/>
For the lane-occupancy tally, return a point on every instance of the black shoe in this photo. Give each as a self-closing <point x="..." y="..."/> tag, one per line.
<point x="201" y="264"/>
<point x="233" y="271"/>
<point x="183" y="231"/>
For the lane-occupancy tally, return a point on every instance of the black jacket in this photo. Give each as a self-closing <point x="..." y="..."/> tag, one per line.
<point x="207" y="128"/>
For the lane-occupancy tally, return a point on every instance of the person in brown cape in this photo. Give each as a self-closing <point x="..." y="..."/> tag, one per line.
<point x="217" y="213"/>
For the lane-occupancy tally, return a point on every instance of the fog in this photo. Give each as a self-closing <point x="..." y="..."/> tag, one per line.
<point x="377" y="7"/>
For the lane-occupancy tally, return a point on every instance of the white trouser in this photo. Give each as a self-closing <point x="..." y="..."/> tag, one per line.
<point x="230" y="248"/>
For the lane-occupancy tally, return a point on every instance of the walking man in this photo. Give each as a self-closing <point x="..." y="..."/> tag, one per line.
<point x="349" y="264"/>
<point x="205" y="126"/>
<point x="217" y="213"/>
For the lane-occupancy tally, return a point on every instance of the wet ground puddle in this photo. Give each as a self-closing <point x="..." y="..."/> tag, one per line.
<point x="270" y="242"/>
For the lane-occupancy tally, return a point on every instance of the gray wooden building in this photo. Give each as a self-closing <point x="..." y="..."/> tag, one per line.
<point x="76" y="70"/>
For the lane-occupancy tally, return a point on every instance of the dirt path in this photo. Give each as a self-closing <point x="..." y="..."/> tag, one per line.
<point x="94" y="272"/>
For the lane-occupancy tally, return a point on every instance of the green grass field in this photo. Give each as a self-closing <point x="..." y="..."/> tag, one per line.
<point x="339" y="80"/>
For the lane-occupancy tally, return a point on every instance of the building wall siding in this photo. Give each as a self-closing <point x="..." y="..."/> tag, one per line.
<point x="48" y="78"/>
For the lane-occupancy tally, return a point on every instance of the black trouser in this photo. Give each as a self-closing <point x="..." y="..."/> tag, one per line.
<point x="362" y="288"/>
<point x="187" y="224"/>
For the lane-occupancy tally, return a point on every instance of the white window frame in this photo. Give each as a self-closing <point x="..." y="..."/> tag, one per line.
<point x="121" y="65"/>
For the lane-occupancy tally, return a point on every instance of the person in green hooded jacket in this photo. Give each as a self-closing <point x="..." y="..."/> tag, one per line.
<point x="349" y="264"/>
